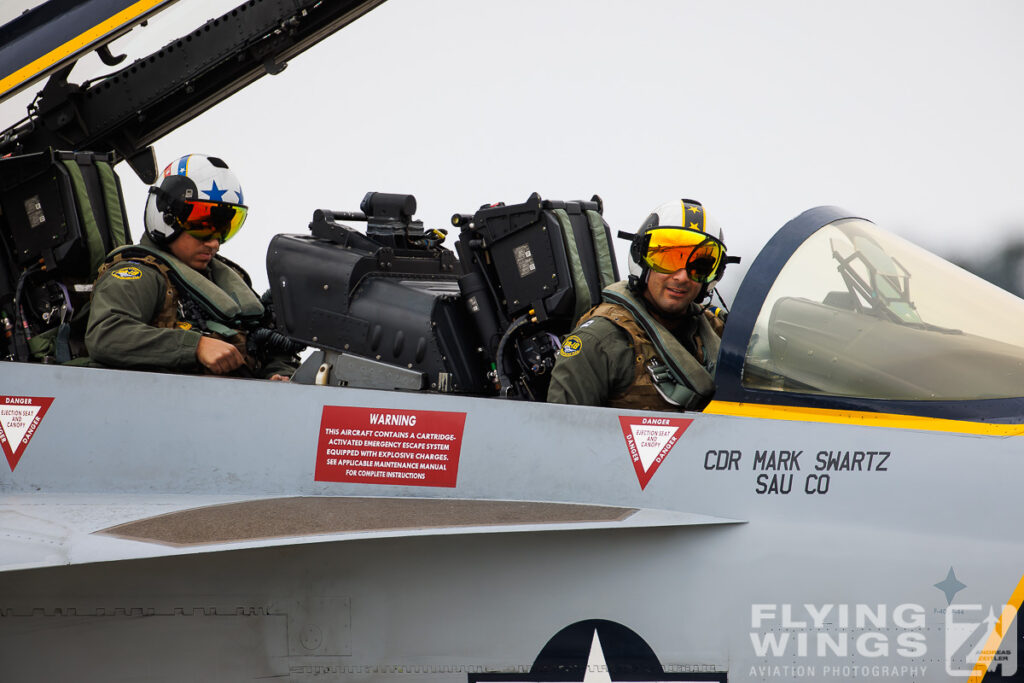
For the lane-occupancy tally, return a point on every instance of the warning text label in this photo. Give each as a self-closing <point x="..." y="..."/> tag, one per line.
<point x="384" y="446"/>
<point x="649" y="441"/>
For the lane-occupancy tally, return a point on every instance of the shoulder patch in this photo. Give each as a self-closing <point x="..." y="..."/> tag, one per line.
<point x="127" y="273"/>
<point x="571" y="346"/>
<point x="588" y="323"/>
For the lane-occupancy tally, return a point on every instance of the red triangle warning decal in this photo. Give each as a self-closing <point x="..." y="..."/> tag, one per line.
<point x="649" y="440"/>
<point x="19" y="418"/>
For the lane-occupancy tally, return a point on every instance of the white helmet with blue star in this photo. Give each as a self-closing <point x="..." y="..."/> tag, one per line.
<point x="198" y="194"/>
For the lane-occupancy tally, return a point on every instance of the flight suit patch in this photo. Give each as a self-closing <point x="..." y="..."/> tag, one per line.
<point x="571" y="346"/>
<point x="127" y="273"/>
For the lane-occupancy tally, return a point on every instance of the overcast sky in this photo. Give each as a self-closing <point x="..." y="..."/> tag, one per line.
<point x="908" y="113"/>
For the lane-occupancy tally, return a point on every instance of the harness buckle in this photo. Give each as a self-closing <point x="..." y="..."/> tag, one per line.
<point x="660" y="374"/>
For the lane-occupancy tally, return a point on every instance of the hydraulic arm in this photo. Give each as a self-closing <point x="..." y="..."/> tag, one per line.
<point x="126" y="111"/>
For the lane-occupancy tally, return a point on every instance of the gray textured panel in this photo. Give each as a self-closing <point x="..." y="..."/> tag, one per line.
<point x="306" y="516"/>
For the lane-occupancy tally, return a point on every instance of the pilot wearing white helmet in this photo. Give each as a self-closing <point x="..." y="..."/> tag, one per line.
<point x="650" y="345"/>
<point x="171" y="302"/>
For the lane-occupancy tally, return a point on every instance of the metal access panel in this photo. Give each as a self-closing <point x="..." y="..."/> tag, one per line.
<point x="124" y="641"/>
<point x="114" y="639"/>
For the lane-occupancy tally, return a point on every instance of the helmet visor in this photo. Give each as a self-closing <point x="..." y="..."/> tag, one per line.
<point x="672" y="249"/>
<point x="206" y="220"/>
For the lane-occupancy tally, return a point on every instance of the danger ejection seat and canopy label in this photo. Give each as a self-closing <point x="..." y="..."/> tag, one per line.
<point x="19" y="418"/>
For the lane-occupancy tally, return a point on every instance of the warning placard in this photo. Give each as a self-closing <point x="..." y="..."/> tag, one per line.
<point x="649" y="440"/>
<point x="384" y="446"/>
<point x="19" y="418"/>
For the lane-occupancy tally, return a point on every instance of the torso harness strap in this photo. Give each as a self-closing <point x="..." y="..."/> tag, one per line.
<point x="662" y="361"/>
<point x="223" y="304"/>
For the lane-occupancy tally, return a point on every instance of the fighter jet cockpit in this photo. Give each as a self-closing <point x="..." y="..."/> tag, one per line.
<point x="834" y="312"/>
<point x="855" y="312"/>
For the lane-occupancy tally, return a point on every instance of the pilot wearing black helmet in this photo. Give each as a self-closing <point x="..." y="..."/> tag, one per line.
<point x="649" y="345"/>
<point x="171" y="302"/>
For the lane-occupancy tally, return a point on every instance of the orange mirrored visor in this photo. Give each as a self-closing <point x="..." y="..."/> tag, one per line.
<point x="672" y="249"/>
<point x="206" y="220"/>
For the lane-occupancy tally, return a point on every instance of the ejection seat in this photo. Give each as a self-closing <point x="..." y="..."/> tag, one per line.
<point x="60" y="214"/>
<point x="393" y="309"/>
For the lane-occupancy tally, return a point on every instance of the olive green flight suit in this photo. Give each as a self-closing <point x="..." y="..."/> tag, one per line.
<point x="604" y="362"/>
<point x="135" y="320"/>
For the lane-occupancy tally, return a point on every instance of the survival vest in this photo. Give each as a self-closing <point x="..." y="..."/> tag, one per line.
<point x="223" y="305"/>
<point x="664" y="371"/>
